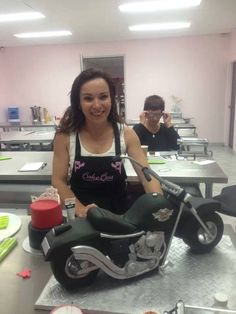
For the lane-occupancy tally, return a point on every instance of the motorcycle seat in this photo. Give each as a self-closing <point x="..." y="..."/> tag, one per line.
<point x="105" y="221"/>
<point x="227" y="198"/>
<point x="140" y="216"/>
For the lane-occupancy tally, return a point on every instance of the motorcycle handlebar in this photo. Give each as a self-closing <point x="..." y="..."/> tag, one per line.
<point x="166" y="185"/>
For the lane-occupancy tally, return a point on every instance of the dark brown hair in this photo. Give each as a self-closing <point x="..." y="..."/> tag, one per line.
<point x="154" y="102"/>
<point x="73" y="117"/>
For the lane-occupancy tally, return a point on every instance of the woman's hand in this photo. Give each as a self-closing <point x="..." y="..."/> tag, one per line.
<point x="81" y="210"/>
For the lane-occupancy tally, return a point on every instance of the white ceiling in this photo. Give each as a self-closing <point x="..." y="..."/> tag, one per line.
<point x="100" y="20"/>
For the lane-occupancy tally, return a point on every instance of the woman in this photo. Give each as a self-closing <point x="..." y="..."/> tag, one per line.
<point x="88" y="138"/>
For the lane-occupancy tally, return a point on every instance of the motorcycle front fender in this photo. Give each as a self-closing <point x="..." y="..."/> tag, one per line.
<point x="205" y="204"/>
<point x="202" y="205"/>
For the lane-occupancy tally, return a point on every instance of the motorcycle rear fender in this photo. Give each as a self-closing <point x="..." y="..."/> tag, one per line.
<point x="80" y="233"/>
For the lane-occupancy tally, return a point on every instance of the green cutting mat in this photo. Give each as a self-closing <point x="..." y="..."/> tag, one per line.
<point x="4" y="158"/>
<point x="156" y="161"/>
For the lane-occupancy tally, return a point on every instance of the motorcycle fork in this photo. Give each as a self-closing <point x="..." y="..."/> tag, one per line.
<point x="172" y="235"/>
<point x="204" y="226"/>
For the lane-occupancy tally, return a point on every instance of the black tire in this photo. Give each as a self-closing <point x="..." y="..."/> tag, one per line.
<point x="198" y="240"/>
<point x="66" y="275"/>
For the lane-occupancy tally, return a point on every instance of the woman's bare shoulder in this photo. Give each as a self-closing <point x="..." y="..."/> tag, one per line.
<point x="129" y="132"/>
<point x="130" y="136"/>
<point x="62" y="139"/>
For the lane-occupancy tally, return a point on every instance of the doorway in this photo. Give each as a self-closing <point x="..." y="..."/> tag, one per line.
<point x="114" y="66"/>
<point x="232" y="107"/>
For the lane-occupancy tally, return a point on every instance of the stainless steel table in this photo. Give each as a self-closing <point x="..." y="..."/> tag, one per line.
<point x="180" y="171"/>
<point x="185" y="171"/>
<point x="25" y="138"/>
<point x="185" y="129"/>
<point x="9" y="168"/>
<point x="23" y="125"/>
<point x="17" y="187"/>
<point x="19" y="295"/>
<point x="184" y="126"/>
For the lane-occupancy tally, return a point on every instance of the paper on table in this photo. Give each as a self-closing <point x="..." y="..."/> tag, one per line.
<point x="204" y="162"/>
<point x="33" y="166"/>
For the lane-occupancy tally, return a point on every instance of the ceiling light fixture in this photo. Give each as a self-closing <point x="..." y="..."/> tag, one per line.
<point x="159" y="26"/>
<point x="159" y="5"/>
<point x="43" y="34"/>
<point x="21" y="16"/>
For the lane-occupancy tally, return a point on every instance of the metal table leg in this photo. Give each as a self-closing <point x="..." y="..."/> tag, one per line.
<point x="208" y="190"/>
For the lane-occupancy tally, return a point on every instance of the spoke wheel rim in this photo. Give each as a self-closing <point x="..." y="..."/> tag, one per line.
<point x="202" y="235"/>
<point x="75" y="268"/>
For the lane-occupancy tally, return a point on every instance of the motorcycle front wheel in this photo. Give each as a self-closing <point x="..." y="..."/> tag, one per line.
<point x="72" y="273"/>
<point x="197" y="238"/>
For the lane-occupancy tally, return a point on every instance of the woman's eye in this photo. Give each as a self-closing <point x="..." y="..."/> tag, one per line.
<point x="103" y="97"/>
<point x="87" y="98"/>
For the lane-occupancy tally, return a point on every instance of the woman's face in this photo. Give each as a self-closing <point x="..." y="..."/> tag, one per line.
<point x="95" y="100"/>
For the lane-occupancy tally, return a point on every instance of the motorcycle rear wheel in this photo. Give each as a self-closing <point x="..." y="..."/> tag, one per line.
<point x="66" y="271"/>
<point x="197" y="238"/>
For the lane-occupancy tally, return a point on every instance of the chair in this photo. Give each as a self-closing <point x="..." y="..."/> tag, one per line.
<point x="227" y="198"/>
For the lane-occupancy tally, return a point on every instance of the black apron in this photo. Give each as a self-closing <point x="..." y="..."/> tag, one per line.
<point x="100" y="180"/>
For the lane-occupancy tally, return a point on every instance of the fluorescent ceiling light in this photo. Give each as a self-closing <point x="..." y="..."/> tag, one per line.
<point x="21" y="16"/>
<point x="43" y="34"/>
<point x="159" y="26"/>
<point x="159" y="5"/>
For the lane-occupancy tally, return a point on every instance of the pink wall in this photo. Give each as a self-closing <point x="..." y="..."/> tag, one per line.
<point x="39" y="76"/>
<point x="232" y="52"/>
<point x="193" y="68"/>
<point x="3" y="82"/>
<point x="232" y="58"/>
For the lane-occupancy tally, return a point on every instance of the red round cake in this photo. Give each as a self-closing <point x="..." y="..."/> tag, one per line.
<point x="45" y="214"/>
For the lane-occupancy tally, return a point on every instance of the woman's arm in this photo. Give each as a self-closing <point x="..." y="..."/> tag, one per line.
<point x="135" y="151"/>
<point x="60" y="172"/>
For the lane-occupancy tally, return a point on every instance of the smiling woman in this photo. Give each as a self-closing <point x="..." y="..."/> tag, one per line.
<point x="114" y="66"/>
<point x="90" y="135"/>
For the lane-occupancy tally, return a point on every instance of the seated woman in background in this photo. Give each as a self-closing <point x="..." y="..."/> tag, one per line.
<point x="158" y="136"/>
<point x="89" y="136"/>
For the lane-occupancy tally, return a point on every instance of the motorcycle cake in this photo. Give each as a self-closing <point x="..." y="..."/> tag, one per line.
<point x="129" y="245"/>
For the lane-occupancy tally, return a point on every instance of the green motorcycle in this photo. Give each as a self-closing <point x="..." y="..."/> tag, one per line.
<point x="129" y="245"/>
